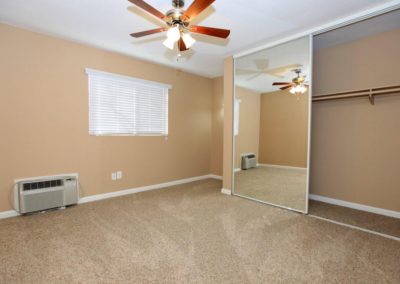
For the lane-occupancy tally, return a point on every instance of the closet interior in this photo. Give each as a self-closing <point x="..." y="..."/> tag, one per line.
<point x="355" y="154"/>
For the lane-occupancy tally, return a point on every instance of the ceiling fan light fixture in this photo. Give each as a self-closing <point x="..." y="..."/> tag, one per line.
<point x="298" y="89"/>
<point x="169" y="43"/>
<point x="174" y="34"/>
<point x="188" y="40"/>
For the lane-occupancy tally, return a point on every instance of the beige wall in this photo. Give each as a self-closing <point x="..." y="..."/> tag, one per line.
<point x="44" y="118"/>
<point x="355" y="146"/>
<point x="247" y="141"/>
<point x="284" y="129"/>
<point x="217" y="126"/>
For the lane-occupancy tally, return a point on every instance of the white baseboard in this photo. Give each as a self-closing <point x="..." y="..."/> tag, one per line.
<point x="215" y="176"/>
<point x="141" y="189"/>
<point x="226" y="191"/>
<point x="282" y="167"/>
<point x="8" y="214"/>
<point x="376" y="210"/>
<point x="91" y="198"/>
<point x="237" y="170"/>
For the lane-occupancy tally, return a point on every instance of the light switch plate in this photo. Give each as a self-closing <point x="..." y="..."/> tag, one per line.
<point x="114" y="176"/>
<point x="119" y="174"/>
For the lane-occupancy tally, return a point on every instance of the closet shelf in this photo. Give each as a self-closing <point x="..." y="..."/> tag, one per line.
<point x="369" y="93"/>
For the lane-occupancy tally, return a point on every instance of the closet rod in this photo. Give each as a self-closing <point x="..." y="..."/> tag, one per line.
<point x="370" y="93"/>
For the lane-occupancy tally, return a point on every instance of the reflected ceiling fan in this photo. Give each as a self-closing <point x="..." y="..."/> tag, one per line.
<point x="178" y="22"/>
<point x="263" y="69"/>
<point x="298" y="84"/>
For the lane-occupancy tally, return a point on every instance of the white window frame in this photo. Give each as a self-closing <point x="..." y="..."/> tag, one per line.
<point x="117" y="77"/>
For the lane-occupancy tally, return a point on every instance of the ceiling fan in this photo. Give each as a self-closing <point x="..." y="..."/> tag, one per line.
<point x="297" y="85"/>
<point x="178" y="22"/>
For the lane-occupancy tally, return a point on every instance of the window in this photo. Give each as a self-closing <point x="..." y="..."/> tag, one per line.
<point x="122" y="105"/>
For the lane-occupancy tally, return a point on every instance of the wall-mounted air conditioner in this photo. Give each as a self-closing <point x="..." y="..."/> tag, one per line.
<point x="37" y="194"/>
<point x="248" y="161"/>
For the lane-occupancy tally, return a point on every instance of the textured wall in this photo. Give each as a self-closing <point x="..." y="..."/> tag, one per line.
<point x="284" y="129"/>
<point x="44" y="118"/>
<point x="217" y="127"/>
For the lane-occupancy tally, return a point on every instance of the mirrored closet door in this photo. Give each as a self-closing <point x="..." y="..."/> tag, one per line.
<point x="272" y="125"/>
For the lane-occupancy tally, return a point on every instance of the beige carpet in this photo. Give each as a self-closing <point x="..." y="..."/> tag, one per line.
<point x="285" y="187"/>
<point x="366" y="220"/>
<point x="189" y="234"/>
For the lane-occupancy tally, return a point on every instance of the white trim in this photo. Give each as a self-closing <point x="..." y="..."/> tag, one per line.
<point x="381" y="9"/>
<point x="376" y="210"/>
<point x="310" y="94"/>
<point x="8" y="214"/>
<point x="269" y="203"/>
<point x="282" y="167"/>
<point x="215" y="176"/>
<point x="237" y="170"/>
<point x="86" y="199"/>
<point x="126" y="78"/>
<point x="226" y="191"/>
<point x="140" y="189"/>
<point x="356" y="228"/>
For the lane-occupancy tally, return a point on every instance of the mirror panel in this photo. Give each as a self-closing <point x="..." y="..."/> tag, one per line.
<point x="271" y="125"/>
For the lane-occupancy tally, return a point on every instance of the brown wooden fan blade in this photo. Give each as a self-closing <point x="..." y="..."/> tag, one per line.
<point x="280" y="83"/>
<point x="196" y="8"/>
<point x="286" y="87"/>
<point x="182" y="45"/>
<point x="149" y="32"/>
<point x="148" y="8"/>
<point x="210" y="31"/>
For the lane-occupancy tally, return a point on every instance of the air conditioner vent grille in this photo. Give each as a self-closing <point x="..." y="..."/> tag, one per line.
<point x="43" y="184"/>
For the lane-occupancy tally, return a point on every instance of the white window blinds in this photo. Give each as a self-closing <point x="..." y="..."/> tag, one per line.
<point x="122" y="105"/>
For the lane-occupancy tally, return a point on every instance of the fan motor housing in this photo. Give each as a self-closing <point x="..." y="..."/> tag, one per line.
<point x="174" y="17"/>
<point x="178" y="3"/>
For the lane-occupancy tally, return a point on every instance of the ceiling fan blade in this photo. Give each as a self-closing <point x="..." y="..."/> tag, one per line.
<point x="196" y="8"/>
<point x="261" y="64"/>
<point x="149" y="32"/>
<point x="246" y="72"/>
<point x="286" y="87"/>
<point x="283" y="69"/>
<point x="280" y="83"/>
<point x="148" y="8"/>
<point x="253" y="77"/>
<point x="182" y="45"/>
<point x="274" y="74"/>
<point x="210" y="31"/>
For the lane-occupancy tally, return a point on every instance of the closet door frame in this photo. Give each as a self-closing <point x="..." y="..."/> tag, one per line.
<point x="357" y="17"/>
<point x="307" y="189"/>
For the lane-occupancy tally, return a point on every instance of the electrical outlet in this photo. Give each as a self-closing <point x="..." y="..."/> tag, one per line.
<point x="119" y="175"/>
<point x="114" y="176"/>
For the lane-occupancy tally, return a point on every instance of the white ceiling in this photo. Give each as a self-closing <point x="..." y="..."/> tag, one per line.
<point x="108" y="23"/>
<point x="290" y="55"/>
